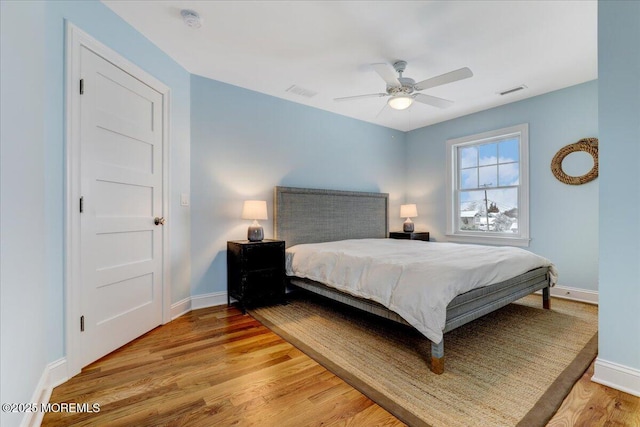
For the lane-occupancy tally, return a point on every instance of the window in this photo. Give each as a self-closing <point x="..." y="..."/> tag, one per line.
<point x="488" y="187"/>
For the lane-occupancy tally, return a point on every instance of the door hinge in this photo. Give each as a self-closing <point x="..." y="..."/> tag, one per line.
<point x="81" y="86"/>
<point x="81" y="323"/>
<point x="81" y="204"/>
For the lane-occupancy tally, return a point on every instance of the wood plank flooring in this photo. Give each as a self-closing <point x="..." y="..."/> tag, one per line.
<point x="216" y="367"/>
<point x="590" y="404"/>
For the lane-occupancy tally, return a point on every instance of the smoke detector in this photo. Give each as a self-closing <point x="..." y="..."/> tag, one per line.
<point x="191" y="18"/>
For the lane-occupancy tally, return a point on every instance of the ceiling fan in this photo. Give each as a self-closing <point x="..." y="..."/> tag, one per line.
<point x="402" y="90"/>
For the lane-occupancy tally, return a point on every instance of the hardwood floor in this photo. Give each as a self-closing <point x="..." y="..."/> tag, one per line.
<point x="590" y="404"/>
<point x="216" y="367"/>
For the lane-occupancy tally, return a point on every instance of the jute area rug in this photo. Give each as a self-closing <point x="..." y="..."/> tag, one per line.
<point x="512" y="367"/>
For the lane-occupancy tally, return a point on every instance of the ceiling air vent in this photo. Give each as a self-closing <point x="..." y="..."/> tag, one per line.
<point x="515" y="89"/>
<point x="302" y="91"/>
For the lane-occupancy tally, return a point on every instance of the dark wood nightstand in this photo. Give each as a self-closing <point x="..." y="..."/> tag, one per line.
<point x="255" y="272"/>
<point x="409" y="235"/>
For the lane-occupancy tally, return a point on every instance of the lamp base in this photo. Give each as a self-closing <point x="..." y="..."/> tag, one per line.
<point x="255" y="233"/>
<point x="408" y="226"/>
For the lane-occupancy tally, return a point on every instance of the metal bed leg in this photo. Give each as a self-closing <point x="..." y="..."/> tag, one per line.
<point x="437" y="357"/>
<point x="546" y="298"/>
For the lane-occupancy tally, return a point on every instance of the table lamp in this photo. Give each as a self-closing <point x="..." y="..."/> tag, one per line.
<point x="255" y="210"/>
<point x="408" y="211"/>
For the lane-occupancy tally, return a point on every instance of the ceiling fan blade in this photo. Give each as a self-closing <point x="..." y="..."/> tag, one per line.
<point x="432" y="100"/>
<point x="387" y="73"/>
<point x="443" y="79"/>
<point x="371" y="95"/>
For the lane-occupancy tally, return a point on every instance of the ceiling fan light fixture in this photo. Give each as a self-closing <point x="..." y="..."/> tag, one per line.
<point x="400" y="102"/>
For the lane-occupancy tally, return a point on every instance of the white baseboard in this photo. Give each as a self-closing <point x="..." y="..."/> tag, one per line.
<point x="58" y="373"/>
<point x="54" y="374"/>
<point x="208" y="300"/>
<point x="574" y="294"/>
<point x="617" y="376"/>
<point x="199" y="301"/>
<point x="181" y="307"/>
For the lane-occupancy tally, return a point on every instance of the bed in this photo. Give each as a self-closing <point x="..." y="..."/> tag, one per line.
<point x="314" y="216"/>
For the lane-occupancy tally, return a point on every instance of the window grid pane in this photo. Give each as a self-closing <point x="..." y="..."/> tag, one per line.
<point x="488" y="176"/>
<point x="487" y="154"/>
<point x="469" y="178"/>
<point x="468" y="157"/>
<point x="508" y="174"/>
<point x="492" y="210"/>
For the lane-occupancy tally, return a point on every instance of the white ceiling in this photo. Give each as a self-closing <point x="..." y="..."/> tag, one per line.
<point x="327" y="47"/>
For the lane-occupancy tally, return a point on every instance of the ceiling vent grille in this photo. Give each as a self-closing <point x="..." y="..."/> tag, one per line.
<point x="301" y="91"/>
<point x="515" y="89"/>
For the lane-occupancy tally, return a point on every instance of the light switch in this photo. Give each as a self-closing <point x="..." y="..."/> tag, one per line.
<point x="184" y="199"/>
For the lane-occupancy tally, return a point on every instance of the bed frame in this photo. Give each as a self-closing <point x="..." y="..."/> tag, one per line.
<point x="303" y="215"/>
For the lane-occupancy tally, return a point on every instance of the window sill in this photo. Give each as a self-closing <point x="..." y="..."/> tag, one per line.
<point x="489" y="240"/>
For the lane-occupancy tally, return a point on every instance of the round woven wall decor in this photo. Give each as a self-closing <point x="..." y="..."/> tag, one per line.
<point x="590" y="146"/>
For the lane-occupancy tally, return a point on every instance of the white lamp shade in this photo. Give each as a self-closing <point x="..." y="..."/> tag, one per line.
<point x="400" y="102"/>
<point x="254" y="209"/>
<point x="408" y="211"/>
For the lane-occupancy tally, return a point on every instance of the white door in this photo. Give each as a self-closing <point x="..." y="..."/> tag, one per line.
<point x="121" y="137"/>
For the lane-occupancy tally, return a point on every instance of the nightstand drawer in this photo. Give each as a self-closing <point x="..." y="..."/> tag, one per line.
<point x="264" y="283"/>
<point x="410" y="235"/>
<point x="259" y="257"/>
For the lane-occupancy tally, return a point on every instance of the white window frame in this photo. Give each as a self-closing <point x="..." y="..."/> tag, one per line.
<point x="454" y="233"/>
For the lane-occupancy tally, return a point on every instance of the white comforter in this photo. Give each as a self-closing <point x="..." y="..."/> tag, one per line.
<point x="415" y="279"/>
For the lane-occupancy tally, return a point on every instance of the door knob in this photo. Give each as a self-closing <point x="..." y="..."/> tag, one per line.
<point x="159" y="220"/>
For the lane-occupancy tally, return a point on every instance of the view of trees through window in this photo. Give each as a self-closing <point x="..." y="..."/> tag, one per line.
<point x="488" y="185"/>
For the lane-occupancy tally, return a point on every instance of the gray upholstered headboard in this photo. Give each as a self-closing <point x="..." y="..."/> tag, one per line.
<point x="304" y="215"/>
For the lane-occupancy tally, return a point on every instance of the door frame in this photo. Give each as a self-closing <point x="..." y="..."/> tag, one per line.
<point x="75" y="40"/>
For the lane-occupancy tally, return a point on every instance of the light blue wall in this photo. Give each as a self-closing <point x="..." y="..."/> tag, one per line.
<point x="244" y="143"/>
<point x="563" y="218"/>
<point x="619" y="121"/>
<point x="23" y="272"/>
<point x="33" y="176"/>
